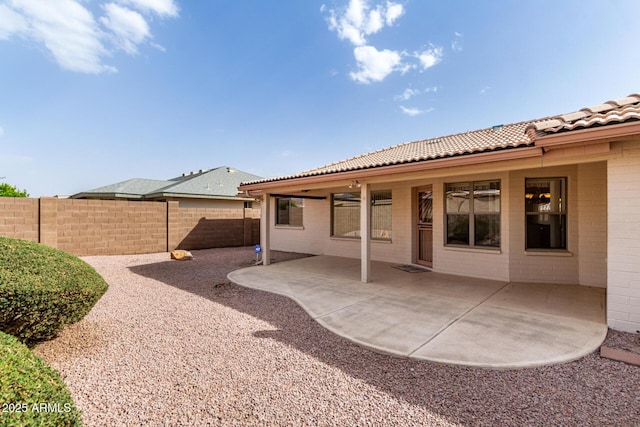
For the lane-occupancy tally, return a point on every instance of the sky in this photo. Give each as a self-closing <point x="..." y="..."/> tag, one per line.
<point x="95" y="92"/>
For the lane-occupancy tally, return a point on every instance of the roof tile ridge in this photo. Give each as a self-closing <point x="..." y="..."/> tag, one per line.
<point x="186" y="176"/>
<point x="618" y="111"/>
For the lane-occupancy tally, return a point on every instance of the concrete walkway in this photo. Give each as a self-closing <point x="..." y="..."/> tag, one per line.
<point x="441" y="318"/>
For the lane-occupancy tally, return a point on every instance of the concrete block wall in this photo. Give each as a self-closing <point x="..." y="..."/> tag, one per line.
<point x="110" y="227"/>
<point x="623" y="238"/>
<point x="217" y="228"/>
<point x="20" y="218"/>
<point x="104" y="227"/>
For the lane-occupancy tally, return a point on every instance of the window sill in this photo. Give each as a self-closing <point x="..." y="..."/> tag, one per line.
<point x="548" y="252"/>
<point x="289" y="227"/>
<point x="496" y="251"/>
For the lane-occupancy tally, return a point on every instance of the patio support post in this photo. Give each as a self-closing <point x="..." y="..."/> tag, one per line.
<point x="265" y="222"/>
<point x="365" y="233"/>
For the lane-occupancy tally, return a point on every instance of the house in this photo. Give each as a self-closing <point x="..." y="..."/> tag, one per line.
<point x="207" y="188"/>
<point x="553" y="200"/>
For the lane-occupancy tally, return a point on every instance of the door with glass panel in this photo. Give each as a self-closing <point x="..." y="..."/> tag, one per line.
<point x="424" y="245"/>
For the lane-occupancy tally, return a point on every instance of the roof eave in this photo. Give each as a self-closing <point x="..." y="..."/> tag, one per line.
<point x="515" y="153"/>
<point x="197" y="196"/>
<point x="86" y="195"/>
<point x="589" y="135"/>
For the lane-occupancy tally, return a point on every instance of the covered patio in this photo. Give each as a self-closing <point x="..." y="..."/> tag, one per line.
<point x="438" y="317"/>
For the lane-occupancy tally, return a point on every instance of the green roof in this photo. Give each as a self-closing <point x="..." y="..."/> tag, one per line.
<point x="218" y="183"/>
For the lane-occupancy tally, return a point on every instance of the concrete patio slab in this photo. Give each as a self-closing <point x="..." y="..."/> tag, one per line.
<point x="441" y="318"/>
<point x="397" y="324"/>
<point x="497" y="337"/>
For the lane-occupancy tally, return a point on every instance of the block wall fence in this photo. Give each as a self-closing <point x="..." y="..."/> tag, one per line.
<point x="114" y="227"/>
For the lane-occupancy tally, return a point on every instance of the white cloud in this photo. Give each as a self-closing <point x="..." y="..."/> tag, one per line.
<point x="484" y="90"/>
<point x="67" y="29"/>
<point x="72" y="35"/>
<point x="360" y="20"/>
<point x="414" y="111"/>
<point x="1" y="131"/>
<point x="157" y="46"/>
<point x="129" y="27"/>
<point x="456" y="44"/>
<point x="429" y="57"/>
<point x="374" y="23"/>
<point x="394" y="11"/>
<point x="409" y="93"/>
<point x="374" y="65"/>
<point x="163" y="8"/>
<point x="11" y="22"/>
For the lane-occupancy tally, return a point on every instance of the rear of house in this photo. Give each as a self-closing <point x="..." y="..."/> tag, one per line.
<point x="544" y="201"/>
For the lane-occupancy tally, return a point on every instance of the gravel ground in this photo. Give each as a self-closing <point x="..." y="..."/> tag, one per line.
<point x="173" y="343"/>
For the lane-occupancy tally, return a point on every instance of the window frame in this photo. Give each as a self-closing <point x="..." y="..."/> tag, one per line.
<point x="562" y="213"/>
<point x="472" y="214"/>
<point x="278" y="201"/>
<point x="386" y="235"/>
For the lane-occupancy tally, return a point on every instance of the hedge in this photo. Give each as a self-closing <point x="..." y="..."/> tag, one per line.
<point x="42" y="289"/>
<point x="31" y="392"/>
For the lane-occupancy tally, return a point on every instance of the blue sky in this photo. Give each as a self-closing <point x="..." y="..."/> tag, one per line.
<point x="96" y="92"/>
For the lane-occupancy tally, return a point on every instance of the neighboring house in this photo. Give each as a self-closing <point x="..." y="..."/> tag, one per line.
<point x="554" y="200"/>
<point x="207" y="188"/>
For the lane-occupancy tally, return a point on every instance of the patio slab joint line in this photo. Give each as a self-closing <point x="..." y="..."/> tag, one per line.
<point x="448" y="325"/>
<point x="368" y="297"/>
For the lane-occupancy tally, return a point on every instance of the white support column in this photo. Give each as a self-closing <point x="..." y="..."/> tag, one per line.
<point x="265" y="228"/>
<point x="365" y="233"/>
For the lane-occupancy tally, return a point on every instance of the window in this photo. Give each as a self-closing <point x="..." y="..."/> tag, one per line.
<point x="345" y="215"/>
<point x="289" y="211"/>
<point x="473" y="214"/>
<point x="546" y="213"/>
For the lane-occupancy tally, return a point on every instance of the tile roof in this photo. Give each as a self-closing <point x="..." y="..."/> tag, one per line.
<point x="221" y="182"/>
<point x="489" y="139"/>
<point x="611" y="112"/>
<point x="516" y="135"/>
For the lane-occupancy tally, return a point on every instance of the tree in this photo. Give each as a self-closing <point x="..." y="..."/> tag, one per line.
<point x="7" y="190"/>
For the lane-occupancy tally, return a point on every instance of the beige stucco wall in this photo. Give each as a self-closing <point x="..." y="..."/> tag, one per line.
<point x="584" y="261"/>
<point x="543" y="266"/>
<point x="592" y="220"/>
<point x="315" y="235"/>
<point x="623" y="246"/>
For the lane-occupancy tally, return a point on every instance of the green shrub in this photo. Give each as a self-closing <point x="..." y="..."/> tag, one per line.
<point x="31" y="392"/>
<point x="43" y="289"/>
